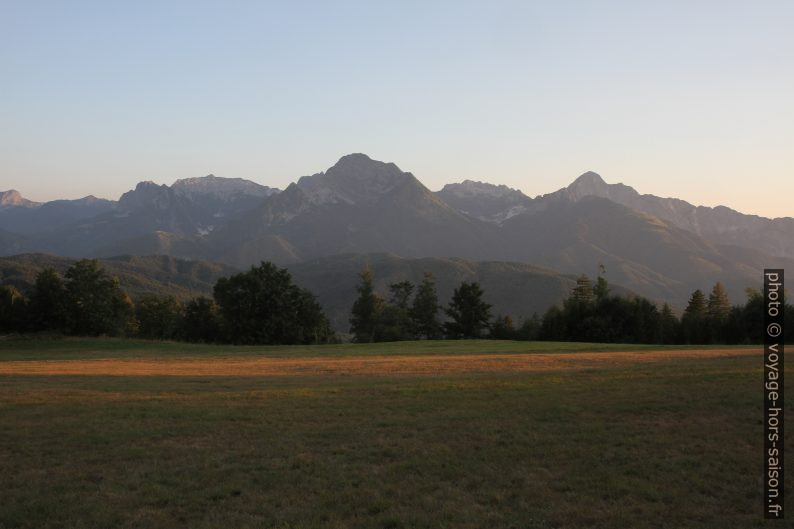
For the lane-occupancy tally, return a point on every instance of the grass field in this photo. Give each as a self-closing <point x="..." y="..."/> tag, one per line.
<point x="424" y="434"/>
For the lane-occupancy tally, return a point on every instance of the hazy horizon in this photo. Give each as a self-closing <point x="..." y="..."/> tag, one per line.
<point x="673" y="100"/>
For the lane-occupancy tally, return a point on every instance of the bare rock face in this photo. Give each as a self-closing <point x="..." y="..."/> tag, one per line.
<point x="484" y="201"/>
<point x="147" y="195"/>
<point x="225" y="189"/>
<point x="354" y="179"/>
<point x="360" y="205"/>
<point x="12" y="198"/>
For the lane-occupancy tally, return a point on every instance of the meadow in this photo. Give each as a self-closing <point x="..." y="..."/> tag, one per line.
<point x="474" y="434"/>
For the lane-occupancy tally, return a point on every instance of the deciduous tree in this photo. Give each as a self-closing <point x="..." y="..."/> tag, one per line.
<point x="159" y="317"/>
<point x="47" y="311"/>
<point x="263" y="306"/>
<point x="95" y="303"/>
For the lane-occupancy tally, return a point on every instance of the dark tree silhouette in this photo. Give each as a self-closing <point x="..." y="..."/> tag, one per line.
<point x="469" y="314"/>
<point x="48" y="310"/>
<point x="366" y="309"/>
<point x="424" y="311"/>
<point x="95" y="303"/>
<point x="693" y="322"/>
<point x="202" y="322"/>
<point x="159" y="317"/>
<point x="502" y="328"/>
<point x="262" y="306"/>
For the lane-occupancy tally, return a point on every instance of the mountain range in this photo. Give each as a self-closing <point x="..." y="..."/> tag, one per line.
<point x="659" y="247"/>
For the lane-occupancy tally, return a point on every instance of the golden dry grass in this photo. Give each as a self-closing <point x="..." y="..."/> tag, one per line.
<point x="373" y="365"/>
<point x="465" y="435"/>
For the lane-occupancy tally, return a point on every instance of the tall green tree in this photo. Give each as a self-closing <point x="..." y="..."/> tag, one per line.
<point x="697" y="304"/>
<point x="424" y="311"/>
<point x="159" y="317"/>
<point x="263" y="306"/>
<point x="718" y="309"/>
<point x="719" y="306"/>
<point x="366" y="310"/>
<point x="314" y="327"/>
<point x="745" y="323"/>
<point x="393" y="322"/>
<point x="202" y="321"/>
<point x="554" y="325"/>
<point x="468" y="312"/>
<point x="47" y="311"/>
<point x="502" y="328"/>
<point x="95" y="303"/>
<point x="401" y="293"/>
<point x="693" y="322"/>
<point x="668" y="326"/>
<point x="530" y="328"/>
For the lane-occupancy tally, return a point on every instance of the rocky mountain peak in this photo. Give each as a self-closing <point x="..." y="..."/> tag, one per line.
<point x="473" y="188"/>
<point x="146" y="194"/>
<point x="488" y="202"/>
<point x="223" y="188"/>
<point x="354" y="179"/>
<point x="589" y="183"/>
<point x="12" y="198"/>
<point x="589" y="178"/>
<point x="356" y="159"/>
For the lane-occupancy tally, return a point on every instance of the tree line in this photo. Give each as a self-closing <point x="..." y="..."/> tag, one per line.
<point x="263" y="306"/>
<point x="589" y="314"/>
<point x="260" y="306"/>
<point x="375" y="319"/>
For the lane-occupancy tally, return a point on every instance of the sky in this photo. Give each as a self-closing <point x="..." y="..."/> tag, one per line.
<point x="689" y="99"/>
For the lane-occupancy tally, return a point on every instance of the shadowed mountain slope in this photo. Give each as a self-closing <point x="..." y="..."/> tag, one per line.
<point x="359" y="205"/>
<point x="154" y="274"/>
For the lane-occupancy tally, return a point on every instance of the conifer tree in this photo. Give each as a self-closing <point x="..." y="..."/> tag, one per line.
<point x="424" y="311"/>
<point x="469" y="314"/>
<point x="366" y="309"/>
<point x="693" y="321"/>
<point x="719" y="306"/>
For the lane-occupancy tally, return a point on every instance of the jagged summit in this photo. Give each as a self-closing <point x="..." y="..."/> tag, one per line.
<point x="660" y="247"/>
<point x="473" y="188"/>
<point x="146" y="194"/>
<point x="488" y="202"/>
<point x="354" y="179"/>
<point x="221" y="187"/>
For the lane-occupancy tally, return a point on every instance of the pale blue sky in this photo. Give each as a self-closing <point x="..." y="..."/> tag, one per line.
<point x="689" y="99"/>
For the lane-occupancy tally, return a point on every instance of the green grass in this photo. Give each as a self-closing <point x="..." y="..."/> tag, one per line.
<point x="671" y="444"/>
<point x="92" y="348"/>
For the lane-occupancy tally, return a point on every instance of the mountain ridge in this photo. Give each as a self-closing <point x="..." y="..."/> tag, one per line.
<point x="657" y="247"/>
